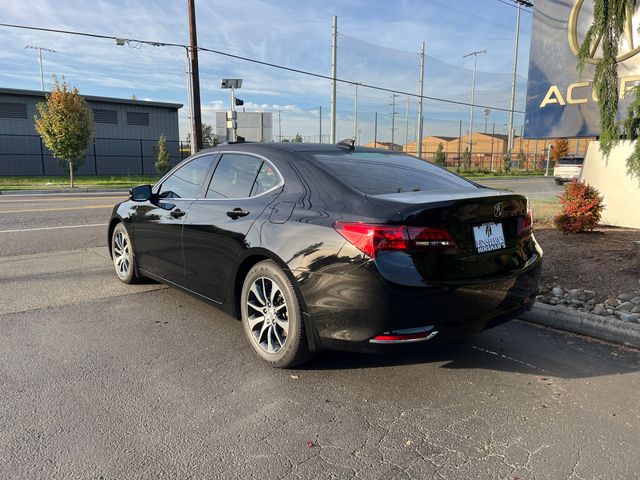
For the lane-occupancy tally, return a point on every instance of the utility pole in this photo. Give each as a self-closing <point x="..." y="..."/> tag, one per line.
<point x="334" y="69"/>
<point x="355" y="117"/>
<point x="192" y="143"/>
<point x="320" y="136"/>
<point x="473" y="94"/>
<point x="40" y="49"/>
<point x="406" y="128"/>
<point x="419" y="139"/>
<point x="393" y="117"/>
<point x="195" y="73"/>
<point x="279" y="126"/>
<point x="515" y="71"/>
<point x="375" y="130"/>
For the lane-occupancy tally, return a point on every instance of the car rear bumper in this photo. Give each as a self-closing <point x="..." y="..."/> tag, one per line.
<point x="349" y="310"/>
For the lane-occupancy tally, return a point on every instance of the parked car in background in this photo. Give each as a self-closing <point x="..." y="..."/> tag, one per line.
<point x="331" y="246"/>
<point x="568" y="169"/>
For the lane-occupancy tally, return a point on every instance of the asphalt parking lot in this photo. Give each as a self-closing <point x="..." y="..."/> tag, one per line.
<point x="104" y="380"/>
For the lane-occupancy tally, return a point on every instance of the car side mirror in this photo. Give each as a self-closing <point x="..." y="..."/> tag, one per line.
<point x="141" y="193"/>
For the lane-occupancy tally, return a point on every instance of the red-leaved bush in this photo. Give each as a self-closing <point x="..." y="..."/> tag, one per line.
<point x="581" y="208"/>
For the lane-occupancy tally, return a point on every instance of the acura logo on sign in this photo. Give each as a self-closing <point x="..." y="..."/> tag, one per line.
<point x="498" y="209"/>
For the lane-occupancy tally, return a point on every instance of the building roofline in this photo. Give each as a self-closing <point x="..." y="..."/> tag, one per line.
<point x="94" y="98"/>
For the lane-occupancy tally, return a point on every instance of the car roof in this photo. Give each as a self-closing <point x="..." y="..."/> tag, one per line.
<point x="266" y="147"/>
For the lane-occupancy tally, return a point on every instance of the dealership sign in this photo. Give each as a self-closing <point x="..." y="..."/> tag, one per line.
<point x="560" y="100"/>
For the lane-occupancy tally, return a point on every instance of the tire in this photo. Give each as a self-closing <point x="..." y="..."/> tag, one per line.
<point x="272" y="317"/>
<point x="122" y="255"/>
<point x="559" y="182"/>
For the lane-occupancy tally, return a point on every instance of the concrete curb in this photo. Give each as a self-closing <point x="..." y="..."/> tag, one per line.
<point x="64" y="190"/>
<point x="596" y="326"/>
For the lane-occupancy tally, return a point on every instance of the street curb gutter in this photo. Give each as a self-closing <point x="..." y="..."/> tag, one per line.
<point x="596" y="326"/>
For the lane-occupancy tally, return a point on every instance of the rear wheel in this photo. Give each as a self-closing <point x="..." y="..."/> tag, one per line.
<point x="559" y="182"/>
<point x="122" y="254"/>
<point x="272" y="318"/>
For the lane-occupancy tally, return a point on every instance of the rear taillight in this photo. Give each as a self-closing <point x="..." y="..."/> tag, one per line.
<point x="371" y="239"/>
<point x="525" y="224"/>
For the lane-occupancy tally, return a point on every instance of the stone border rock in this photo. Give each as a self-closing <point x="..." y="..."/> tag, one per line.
<point x="596" y="326"/>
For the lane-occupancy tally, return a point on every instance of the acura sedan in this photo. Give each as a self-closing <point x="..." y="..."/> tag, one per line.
<point x="331" y="246"/>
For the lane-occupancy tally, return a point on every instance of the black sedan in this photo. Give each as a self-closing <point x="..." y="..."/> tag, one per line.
<point x="329" y="246"/>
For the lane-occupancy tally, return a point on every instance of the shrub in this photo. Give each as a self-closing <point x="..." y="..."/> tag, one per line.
<point x="581" y="208"/>
<point x="163" y="160"/>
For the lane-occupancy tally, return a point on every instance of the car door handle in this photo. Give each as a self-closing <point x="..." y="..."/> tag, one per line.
<point x="237" y="213"/>
<point x="177" y="213"/>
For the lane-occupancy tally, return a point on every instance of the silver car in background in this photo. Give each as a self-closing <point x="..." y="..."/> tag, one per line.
<point x="568" y="169"/>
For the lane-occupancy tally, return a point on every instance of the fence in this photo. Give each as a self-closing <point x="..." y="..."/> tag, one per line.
<point x="27" y="155"/>
<point x="489" y="161"/>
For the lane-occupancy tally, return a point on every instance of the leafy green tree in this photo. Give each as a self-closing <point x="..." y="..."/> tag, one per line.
<point x="439" y="158"/>
<point x="297" y="138"/>
<point x="506" y="162"/>
<point x="466" y="159"/>
<point x="522" y="159"/>
<point x="65" y="124"/>
<point x="163" y="160"/>
<point x="209" y="138"/>
<point x="609" y="20"/>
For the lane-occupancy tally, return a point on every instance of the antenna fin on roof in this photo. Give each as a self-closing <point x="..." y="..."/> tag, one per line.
<point x="349" y="144"/>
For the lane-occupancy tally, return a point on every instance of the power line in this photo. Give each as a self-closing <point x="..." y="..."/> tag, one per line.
<point x="258" y="62"/>
<point x="513" y="4"/>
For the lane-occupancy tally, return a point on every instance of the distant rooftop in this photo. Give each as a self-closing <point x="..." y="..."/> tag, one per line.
<point x="93" y="98"/>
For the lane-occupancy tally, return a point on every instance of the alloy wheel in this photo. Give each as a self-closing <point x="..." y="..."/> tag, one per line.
<point x="267" y="315"/>
<point x="121" y="254"/>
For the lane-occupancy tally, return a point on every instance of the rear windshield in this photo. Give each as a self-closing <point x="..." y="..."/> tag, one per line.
<point x="381" y="174"/>
<point x="571" y="161"/>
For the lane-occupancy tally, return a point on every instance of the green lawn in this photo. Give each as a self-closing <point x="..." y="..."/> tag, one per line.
<point x="80" y="181"/>
<point x="489" y="175"/>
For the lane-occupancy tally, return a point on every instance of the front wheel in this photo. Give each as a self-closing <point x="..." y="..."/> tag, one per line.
<point x="122" y="254"/>
<point x="559" y="182"/>
<point x="272" y="318"/>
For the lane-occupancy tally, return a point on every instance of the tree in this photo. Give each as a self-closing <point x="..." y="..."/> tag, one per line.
<point x="209" y="138"/>
<point x="466" y="159"/>
<point x="506" y="162"/>
<point x="609" y="21"/>
<point x="65" y="125"/>
<point x="297" y="138"/>
<point x="163" y="160"/>
<point x="439" y="158"/>
<point x="560" y="149"/>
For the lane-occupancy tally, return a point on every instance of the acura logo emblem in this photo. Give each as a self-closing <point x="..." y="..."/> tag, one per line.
<point x="498" y="209"/>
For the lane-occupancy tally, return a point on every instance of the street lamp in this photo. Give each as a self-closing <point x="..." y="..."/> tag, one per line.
<point x="232" y="116"/>
<point x="473" y="94"/>
<point x="40" y="49"/>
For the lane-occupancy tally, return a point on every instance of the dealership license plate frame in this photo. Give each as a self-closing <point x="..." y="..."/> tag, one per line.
<point x="492" y="234"/>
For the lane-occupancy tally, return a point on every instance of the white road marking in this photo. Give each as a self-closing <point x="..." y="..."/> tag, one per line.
<point x="53" y="228"/>
<point x="506" y="357"/>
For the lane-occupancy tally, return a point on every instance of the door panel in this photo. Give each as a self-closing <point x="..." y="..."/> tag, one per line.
<point x="215" y="229"/>
<point x="158" y="223"/>
<point x="158" y="238"/>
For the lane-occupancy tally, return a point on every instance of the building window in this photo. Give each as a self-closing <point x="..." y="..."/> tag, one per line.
<point x="102" y="115"/>
<point x="13" y="110"/>
<point x="140" y="119"/>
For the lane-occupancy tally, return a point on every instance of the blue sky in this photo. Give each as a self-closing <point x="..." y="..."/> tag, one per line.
<point x="378" y="45"/>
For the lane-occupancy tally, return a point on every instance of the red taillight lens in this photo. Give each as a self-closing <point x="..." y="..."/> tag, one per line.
<point x="371" y="239"/>
<point x="525" y="224"/>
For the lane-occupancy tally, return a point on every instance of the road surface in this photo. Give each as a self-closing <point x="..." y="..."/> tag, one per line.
<point x="104" y="380"/>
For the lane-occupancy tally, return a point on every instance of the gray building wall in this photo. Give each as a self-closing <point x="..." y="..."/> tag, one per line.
<point x="118" y="149"/>
<point x="249" y="126"/>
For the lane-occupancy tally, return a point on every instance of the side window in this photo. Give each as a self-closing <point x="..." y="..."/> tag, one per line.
<point x="187" y="180"/>
<point x="266" y="179"/>
<point x="234" y="177"/>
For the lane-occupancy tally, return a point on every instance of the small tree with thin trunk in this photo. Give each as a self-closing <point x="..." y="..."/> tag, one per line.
<point x="439" y="157"/>
<point x="65" y="124"/>
<point x="163" y="160"/>
<point x="560" y="150"/>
